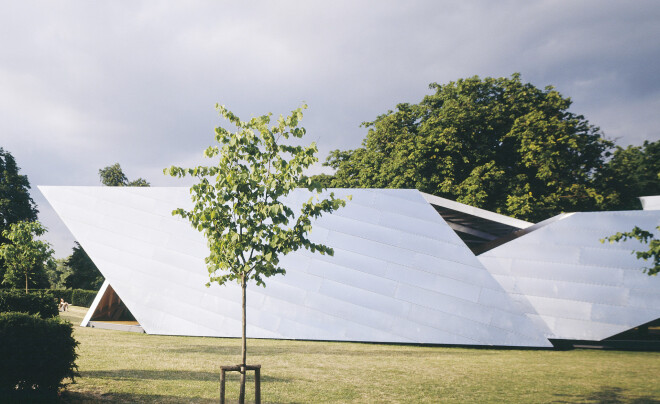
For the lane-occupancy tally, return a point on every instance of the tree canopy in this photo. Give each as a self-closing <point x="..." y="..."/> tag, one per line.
<point x="83" y="272"/>
<point x="494" y="143"/>
<point x="57" y="272"/>
<point x="113" y="176"/>
<point x="239" y="206"/>
<point x="25" y="256"/>
<point x="632" y="172"/>
<point x="16" y="205"/>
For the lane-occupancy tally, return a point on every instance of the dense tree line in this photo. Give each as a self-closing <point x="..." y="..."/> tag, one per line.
<point x="502" y="145"/>
<point x="16" y="208"/>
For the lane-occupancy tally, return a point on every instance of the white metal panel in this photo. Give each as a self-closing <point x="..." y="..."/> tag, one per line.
<point x="399" y="273"/>
<point x="650" y="202"/>
<point x="581" y="288"/>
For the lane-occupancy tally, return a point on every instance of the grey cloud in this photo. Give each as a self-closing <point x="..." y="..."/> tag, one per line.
<point x="84" y="85"/>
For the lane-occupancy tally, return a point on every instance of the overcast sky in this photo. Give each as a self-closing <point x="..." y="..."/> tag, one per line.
<point x="86" y="84"/>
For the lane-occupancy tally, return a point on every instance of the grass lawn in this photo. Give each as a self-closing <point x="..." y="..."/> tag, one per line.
<point x="128" y="367"/>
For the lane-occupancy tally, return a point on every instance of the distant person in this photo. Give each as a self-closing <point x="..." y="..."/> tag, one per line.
<point x="64" y="306"/>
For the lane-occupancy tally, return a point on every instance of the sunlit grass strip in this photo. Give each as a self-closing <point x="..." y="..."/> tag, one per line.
<point x="128" y="367"/>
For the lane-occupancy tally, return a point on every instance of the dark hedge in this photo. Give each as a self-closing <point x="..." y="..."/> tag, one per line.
<point x="83" y="298"/>
<point x="34" y="303"/>
<point x="76" y="297"/>
<point x="37" y="354"/>
<point x="59" y="294"/>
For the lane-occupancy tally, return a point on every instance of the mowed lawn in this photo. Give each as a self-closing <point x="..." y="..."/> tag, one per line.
<point x="128" y="367"/>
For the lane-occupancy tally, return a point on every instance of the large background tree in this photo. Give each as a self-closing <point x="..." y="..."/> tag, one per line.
<point x="239" y="206"/>
<point x="83" y="272"/>
<point x="16" y="205"/>
<point x="498" y="144"/>
<point x="113" y="176"/>
<point x="632" y="172"/>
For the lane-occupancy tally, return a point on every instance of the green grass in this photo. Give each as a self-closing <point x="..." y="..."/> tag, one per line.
<point x="128" y="367"/>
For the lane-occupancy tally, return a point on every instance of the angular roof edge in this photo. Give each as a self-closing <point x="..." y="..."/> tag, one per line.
<point x="519" y="233"/>
<point x="478" y="212"/>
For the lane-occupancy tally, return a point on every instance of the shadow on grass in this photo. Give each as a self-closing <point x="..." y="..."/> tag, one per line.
<point x="68" y="397"/>
<point x="358" y="349"/>
<point x="204" y="349"/>
<point x="137" y="374"/>
<point x="75" y="397"/>
<point x="607" y="395"/>
<point x="19" y="397"/>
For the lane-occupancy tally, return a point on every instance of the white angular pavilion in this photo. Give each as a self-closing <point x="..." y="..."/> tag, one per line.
<point x="404" y="271"/>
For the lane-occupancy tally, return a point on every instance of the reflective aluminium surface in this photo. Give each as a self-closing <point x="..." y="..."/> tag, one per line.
<point x="576" y="286"/>
<point x="650" y="202"/>
<point x="399" y="273"/>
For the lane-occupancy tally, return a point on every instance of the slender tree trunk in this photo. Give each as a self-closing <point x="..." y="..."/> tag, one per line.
<point x="241" y="395"/>
<point x="26" y="283"/>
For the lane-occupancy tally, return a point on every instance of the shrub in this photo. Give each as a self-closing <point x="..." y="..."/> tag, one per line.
<point x="57" y="294"/>
<point x="34" y="303"/>
<point x="60" y="294"/>
<point x="76" y="297"/>
<point x="83" y="298"/>
<point x="37" y="354"/>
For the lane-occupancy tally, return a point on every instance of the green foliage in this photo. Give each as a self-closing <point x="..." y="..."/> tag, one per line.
<point x="113" y="176"/>
<point x="38" y="278"/>
<point x="84" y="273"/>
<point x="653" y="252"/>
<point x="498" y="144"/>
<point x="83" y="298"/>
<point x="23" y="255"/>
<point x="632" y="172"/>
<point x="16" y="205"/>
<point x="57" y="272"/>
<point x="42" y="304"/>
<point x="240" y="211"/>
<point x="37" y="354"/>
<point x="140" y="182"/>
<point x="57" y="294"/>
<point x="76" y="297"/>
<point x="325" y="180"/>
<point x="15" y="202"/>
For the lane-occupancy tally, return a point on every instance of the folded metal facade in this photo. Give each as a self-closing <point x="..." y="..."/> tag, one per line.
<point x="400" y="273"/>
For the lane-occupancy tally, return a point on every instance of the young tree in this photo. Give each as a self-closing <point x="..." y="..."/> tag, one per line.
<point x="113" y="176"/>
<point x="498" y="144"/>
<point x="645" y="237"/>
<point x="84" y="273"/>
<point x="15" y="201"/>
<point x="238" y="203"/>
<point x="23" y="254"/>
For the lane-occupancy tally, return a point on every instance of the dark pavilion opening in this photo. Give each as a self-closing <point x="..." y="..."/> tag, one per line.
<point x="645" y="337"/>
<point x="111" y="308"/>
<point x="111" y="313"/>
